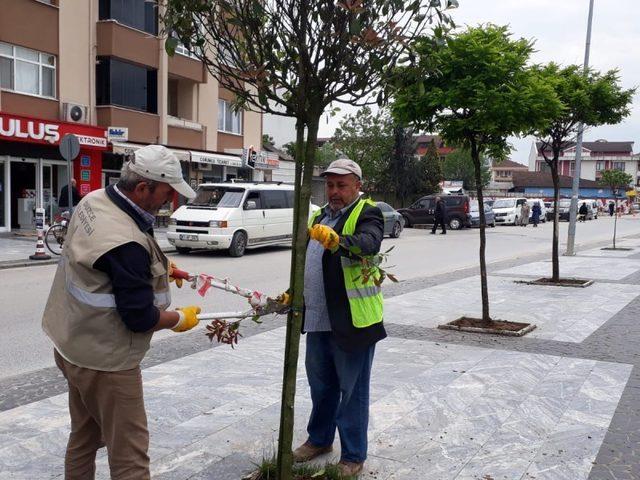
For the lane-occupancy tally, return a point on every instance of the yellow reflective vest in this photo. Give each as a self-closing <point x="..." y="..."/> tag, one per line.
<point x="365" y="297"/>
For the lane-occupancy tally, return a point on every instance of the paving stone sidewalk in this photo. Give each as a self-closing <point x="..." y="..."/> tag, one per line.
<point x="15" y="249"/>
<point x="561" y="404"/>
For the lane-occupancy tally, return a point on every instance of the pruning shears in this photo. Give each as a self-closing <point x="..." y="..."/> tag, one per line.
<point x="260" y="303"/>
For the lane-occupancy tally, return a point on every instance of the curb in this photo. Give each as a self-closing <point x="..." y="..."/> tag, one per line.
<point x="53" y="261"/>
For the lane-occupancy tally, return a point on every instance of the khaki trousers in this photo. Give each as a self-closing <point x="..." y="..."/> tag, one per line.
<point x="107" y="408"/>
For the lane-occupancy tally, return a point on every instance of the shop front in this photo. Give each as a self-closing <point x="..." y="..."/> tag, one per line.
<point x="32" y="171"/>
<point x="210" y="167"/>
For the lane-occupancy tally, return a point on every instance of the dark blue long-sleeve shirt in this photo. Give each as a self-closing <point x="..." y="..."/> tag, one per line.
<point x="129" y="269"/>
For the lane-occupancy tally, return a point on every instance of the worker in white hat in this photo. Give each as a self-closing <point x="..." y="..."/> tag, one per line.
<point x="110" y="293"/>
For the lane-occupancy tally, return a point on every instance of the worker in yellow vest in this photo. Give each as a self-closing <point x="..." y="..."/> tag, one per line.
<point x="109" y="294"/>
<point x="343" y="318"/>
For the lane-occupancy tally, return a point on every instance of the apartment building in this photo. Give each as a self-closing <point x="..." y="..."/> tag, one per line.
<point x="90" y="67"/>
<point x="596" y="157"/>
<point x="503" y="171"/>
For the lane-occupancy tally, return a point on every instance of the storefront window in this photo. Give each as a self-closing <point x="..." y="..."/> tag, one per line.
<point x="3" y="186"/>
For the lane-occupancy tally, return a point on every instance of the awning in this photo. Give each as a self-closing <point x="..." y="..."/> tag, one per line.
<point x="216" y="159"/>
<point x="125" y="148"/>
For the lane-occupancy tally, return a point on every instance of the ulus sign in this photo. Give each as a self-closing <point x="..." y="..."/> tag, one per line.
<point x="29" y="129"/>
<point x="32" y="130"/>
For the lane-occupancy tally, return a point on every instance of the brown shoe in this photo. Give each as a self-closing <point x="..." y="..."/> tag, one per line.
<point x="307" y="451"/>
<point x="350" y="469"/>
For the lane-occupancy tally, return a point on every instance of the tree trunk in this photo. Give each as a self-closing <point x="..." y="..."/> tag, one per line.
<point x="483" y="239"/>
<point x="555" y="259"/>
<point x="304" y="175"/>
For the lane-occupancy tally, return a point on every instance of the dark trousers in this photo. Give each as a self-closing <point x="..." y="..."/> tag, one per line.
<point x="107" y="408"/>
<point x="339" y="383"/>
<point x="439" y="221"/>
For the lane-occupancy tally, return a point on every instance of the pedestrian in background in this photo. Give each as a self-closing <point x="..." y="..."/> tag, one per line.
<point x="583" y="212"/>
<point x="536" y="211"/>
<point x="612" y="209"/>
<point x="440" y="216"/>
<point x="109" y="294"/>
<point x="342" y="319"/>
<point x="63" y="200"/>
<point x="524" y="214"/>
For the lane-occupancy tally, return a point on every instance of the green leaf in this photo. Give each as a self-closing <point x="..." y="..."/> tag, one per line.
<point x="319" y="473"/>
<point x="170" y="45"/>
<point x="256" y="318"/>
<point x="355" y="249"/>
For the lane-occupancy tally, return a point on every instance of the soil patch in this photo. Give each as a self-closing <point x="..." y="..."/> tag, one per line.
<point x="496" y="327"/>
<point x="563" y="282"/>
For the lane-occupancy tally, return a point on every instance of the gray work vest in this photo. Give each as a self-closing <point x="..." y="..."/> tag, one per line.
<point x="81" y="317"/>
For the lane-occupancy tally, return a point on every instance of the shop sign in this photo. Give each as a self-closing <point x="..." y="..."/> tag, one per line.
<point x="117" y="134"/>
<point x="32" y="130"/>
<point x="266" y="161"/>
<point x="227" y="161"/>
<point x="85" y="161"/>
<point x="85" y="175"/>
<point x="85" y="188"/>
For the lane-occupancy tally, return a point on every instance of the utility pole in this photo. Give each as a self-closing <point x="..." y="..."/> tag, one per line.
<point x="573" y="211"/>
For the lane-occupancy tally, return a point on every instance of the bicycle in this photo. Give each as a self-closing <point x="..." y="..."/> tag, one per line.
<point x="56" y="233"/>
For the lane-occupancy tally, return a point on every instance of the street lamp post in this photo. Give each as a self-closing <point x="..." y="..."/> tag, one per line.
<point x="573" y="211"/>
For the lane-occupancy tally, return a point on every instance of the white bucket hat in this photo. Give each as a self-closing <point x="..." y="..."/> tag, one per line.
<point x="156" y="162"/>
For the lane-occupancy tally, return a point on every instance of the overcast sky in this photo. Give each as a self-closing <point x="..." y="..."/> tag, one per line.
<point x="559" y="29"/>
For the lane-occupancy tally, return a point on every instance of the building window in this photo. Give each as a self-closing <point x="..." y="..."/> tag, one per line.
<point x="127" y="85"/>
<point x="139" y="14"/>
<point x="23" y="70"/>
<point x="599" y="166"/>
<point x="618" y="166"/>
<point x="228" y="120"/>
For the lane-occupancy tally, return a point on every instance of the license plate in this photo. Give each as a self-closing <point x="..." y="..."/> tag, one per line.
<point x="189" y="238"/>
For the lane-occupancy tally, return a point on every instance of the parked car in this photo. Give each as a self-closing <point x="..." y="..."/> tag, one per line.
<point x="474" y="215"/>
<point x="423" y="211"/>
<point x="507" y="210"/>
<point x="234" y="216"/>
<point x="564" y="205"/>
<point x="393" y="220"/>
<point x="543" y="208"/>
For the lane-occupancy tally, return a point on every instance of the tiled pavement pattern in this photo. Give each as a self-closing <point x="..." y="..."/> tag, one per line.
<point x="494" y="413"/>
<point x="561" y="314"/>
<point x="435" y="384"/>
<point x="608" y="267"/>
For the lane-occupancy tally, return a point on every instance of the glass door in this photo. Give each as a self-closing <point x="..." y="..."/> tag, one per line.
<point x="4" y="194"/>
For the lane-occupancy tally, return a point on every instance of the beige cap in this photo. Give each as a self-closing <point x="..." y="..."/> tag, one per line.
<point x="343" y="166"/>
<point x="156" y="162"/>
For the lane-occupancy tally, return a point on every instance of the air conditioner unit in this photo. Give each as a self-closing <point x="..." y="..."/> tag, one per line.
<point x="75" y="113"/>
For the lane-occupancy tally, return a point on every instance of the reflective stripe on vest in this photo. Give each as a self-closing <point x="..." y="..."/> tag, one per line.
<point x="104" y="300"/>
<point x="365" y="298"/>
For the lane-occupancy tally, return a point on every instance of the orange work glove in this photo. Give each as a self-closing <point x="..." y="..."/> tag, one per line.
<point x="178" y="281"/>
<point x="188" y="318"/>
<point x="327" y="236"/>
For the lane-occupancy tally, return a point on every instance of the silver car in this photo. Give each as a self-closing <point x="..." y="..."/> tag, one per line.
<point x="393" y="221"/>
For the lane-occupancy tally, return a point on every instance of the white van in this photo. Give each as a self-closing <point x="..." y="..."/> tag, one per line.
<point x="234" y="217"/>
<point x="507" y="210"/>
